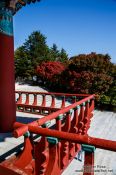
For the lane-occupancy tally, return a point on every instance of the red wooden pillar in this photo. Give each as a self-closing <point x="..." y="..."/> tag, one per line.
<point x="7" y="80"/>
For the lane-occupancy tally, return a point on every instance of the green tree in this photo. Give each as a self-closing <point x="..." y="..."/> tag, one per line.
<point x="63" y="56"/>
<point x="54" y="52"/>
<point x="33" y="52"/>
<point x="37" y="48"/>
<point x="30" y="54"/>
<point x="58" y="55"/>
<point x="22" y="63"/>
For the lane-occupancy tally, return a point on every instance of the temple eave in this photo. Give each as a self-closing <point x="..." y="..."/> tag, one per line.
<point x="15" y="5"/>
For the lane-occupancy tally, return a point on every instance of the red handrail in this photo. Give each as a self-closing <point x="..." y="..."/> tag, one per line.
<point x="20" y="131"/>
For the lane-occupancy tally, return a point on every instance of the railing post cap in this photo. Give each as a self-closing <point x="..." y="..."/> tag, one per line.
<point x="47" y="124"/>
<point x="83" y="104"/>
<point x="73" y="96"/>
<point x="70" y="111"/>
<point x="27" y="134"/>
<point x="60" y="117"/>
<point x="88" y="148"/>
<point x="52" y="140"/>
<point x="77" y="107"/>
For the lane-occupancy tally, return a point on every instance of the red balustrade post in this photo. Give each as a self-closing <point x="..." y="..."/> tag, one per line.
<point x="19" y="100"/>
<point x="81" y="117"/>
<point x="63" y="102"/>
<point x="53" y="101"/>
<point x="35" y="100"/>
<point x="74" y="99"/>
<point x="65" y="144"/>
<point x="7" y="79"/>
<point x="74" y="122"/>
<point x="58" y="127"/>
<point x="53" y="164"/>
<point x="25" y="157"/>
<point x="43" y="100"/>
<point x="92" y="105"/>
<point x="41" y="154"/>
<point x="27" y="99"/>
<point x="86" y="118"/>
<point x="89" y="159"/>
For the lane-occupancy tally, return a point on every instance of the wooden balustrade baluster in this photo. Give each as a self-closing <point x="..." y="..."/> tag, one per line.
<point x="65" y="144"/>
<point x="53" y="166"/>
<point x="59" y="122"/>
<point x="81" y="117"/>
<point x="67" y="125"/>
<point x="89" y="159"/>
<point x="64" y="154"/>
<point x="86" y="118"/>
<point x="41" y="155"/>
<point x="63" y="102"/>
<point x="75" y="129"/>
<point x="74" y="121"/>
<point x="58" y="127"/>
<point x="91" y="107"/>
<point x="19" y="100"/>
<point x="43" y="100"/>
<point x="53" y="101"/>
<point x="74" y="99"/>
<point x="25" y="157"/>
<point x="34" y="103"/>
<point x="43" y="104"/>
<point x="27" y="99"/>
<point x="35" y="100"/>
<point x="72" y="150"/>
<point x="90" y="115"/>
<point x="74" y="147"/>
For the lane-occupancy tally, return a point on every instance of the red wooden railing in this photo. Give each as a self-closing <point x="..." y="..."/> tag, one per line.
<point x="54" y="149"/>
<point x="43" y="103"/>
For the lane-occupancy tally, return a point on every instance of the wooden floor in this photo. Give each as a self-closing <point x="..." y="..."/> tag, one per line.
<point x="103" y="125"/>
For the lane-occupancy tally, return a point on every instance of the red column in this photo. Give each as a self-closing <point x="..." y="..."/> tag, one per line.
<point x="7" y="83"/>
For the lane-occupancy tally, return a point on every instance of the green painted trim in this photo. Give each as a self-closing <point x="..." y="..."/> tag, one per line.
<point x="6" y="21"/>
<point x="27" y="134"/>
<point x="60" y="117"/>
<point x="88" y="148"/>
<point x="47" y="124"/>
<point x="52" y="140"/>
<point x="77" y="107"/>
<point x="83" y="104"/>
<point x="70" y="111"/>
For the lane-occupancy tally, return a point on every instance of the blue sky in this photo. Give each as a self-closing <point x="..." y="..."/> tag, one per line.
<point x="79" y="26"/>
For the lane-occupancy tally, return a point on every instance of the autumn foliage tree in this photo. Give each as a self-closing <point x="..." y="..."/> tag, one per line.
<point x="49" y="72"/>
<point x="95" y="72"/>
<point x="90" y="73"/>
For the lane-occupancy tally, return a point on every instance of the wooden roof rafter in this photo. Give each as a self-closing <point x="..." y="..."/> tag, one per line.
<point x="21" y="3"/>
<point x="16" y="5"/>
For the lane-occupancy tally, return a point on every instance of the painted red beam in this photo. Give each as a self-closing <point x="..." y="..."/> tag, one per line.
<point x="85" y="139"/>
<point x="19" y="132"/>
